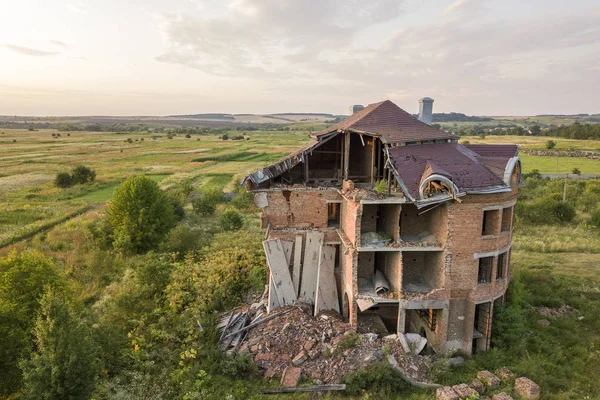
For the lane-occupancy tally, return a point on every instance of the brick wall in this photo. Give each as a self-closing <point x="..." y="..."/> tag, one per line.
<point x="297" y="208"/>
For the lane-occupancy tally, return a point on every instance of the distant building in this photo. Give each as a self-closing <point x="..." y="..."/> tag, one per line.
<point x="431" y="255"/>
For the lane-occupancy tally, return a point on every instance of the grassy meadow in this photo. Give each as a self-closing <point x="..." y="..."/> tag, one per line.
<point x="30" y="160"/>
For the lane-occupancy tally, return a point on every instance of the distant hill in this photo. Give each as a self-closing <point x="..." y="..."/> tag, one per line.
<point x="205" y="116"/>
<point x="458" y="117"/>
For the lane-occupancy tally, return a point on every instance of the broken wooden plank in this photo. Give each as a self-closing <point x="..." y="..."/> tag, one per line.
<point x="326" y="297"/>
<point x="280" y="272"/>
<point x="308" y="288"/>
<point x="314" y="388"/>
<point x="252" y="325"/>
<point x="297" y="261"/>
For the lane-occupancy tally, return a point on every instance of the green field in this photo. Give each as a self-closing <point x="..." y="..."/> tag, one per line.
<point x="30" y="160"/>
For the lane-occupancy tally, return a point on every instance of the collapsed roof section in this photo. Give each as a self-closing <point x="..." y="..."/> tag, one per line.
<point x="428" y="164"/>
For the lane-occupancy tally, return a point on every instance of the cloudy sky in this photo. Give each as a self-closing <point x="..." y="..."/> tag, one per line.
<point x="158" y="57"/>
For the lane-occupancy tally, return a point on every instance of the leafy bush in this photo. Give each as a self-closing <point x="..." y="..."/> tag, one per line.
<point x="545" y="211"/>
<point x="381" y="187"/>
<point x="64" y="364"/>
<point x="204" y="206"/>
<point x="595" y="219"/>
<point x="63" y="180"/>
<point x="140" y="214"/>
<point x="243" y="200"/>
<point x="231" y="219"/>
<point x="550" y="144"/>
<point x="576" y="171"/>
<point x="23" y="277"/>
<point x="379" y="378"/>
<point x="82" y="174"/>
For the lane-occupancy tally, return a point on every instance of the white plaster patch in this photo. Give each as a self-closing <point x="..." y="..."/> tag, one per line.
<point x="261" y="200"/>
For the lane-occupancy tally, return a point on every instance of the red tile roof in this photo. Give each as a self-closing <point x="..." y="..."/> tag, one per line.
<point x="390" y="122"/>
<point x="465" y="168"/>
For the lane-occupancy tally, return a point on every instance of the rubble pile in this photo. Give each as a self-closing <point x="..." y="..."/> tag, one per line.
<point x="489" y="383"/>
<point x="555" y="312"/>
<point x="324" y="347"/>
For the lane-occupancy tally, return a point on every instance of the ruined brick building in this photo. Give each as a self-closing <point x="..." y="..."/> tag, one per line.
<point x="427" y="253"/>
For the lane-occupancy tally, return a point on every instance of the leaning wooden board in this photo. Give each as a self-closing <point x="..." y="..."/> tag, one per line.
<point x="326" y="297"/>
<point x="280" y="274"/>
<point x="314" y="241"/>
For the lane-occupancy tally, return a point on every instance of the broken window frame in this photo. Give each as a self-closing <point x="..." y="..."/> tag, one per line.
<point x="430" y="317"/>
<point x="485" y="271"/>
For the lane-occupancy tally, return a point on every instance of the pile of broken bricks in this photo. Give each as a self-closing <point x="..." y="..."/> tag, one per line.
<point x="322" y="348"/>
<point x="524" y="388"/>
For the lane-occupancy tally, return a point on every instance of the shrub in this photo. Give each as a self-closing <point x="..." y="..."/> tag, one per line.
<point x="129" y="140"/>
<point x="595" y="219"/>
<point x="243" y="200"/>
<point x="82" y="174"/>
<point x="550" y="144"/>
<point x="64" y="364"/>
<point x="225" y="137"/>
<point x="545" y="211"/>
<point x="576" y="171"/>
<point x="63" y="180"/>
<point x="140" y="214"/>
<point x="381" y="187"/>
<point x="231" y="219"/>
<point x="379" y="377"/>
<point x="204" y="206"/>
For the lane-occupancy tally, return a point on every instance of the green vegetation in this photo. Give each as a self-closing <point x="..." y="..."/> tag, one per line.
<point x="64" y="363"/>
<point x="141" y="309"/>
<point x="80" y="175"/>
<point x="140" y="215"/>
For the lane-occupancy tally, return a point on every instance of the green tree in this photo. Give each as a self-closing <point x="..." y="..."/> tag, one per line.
<point x="550" y="144"/>
<point x="204" y="206"/>
<point x="82" y="174"/>
<point x="576" y="171"/>
<point x="64" y="365"/>
<point x="140" y="214"/>
<point x="231" y="219"/>
<point x="63" y="180"/>
<point x="535" y="130"/>
<point x="22" y="280"/>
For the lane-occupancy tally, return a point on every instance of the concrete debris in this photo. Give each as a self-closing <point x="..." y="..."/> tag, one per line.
<point x="464" y="391"/>
<point x="371" y="336"/>
<point x="446" y="393"/>
<point x="527" y="389"/>
<point x="416" y="342"/>
<point x="502" y="396"/>
<point x="323" y="347"/>
<point x="491" y="380"/>
<point x="374" y="239"/>
<point x="505" y="374"/>
<point x="290" y="377"/>
<point x="543" y="322"/>
<point x="478" y="386"/>
<point x="549" y="312"/>
<point x="455" y="361"/>
<point x="580" y="318"/>
<point x="381" y="283"/>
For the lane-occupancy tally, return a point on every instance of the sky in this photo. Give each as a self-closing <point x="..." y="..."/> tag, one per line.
<point x="159" y="57"/>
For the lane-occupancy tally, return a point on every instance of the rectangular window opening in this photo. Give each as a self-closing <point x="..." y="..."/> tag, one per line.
<point x="507" y="219"/>
<point x="485" y="270"/>
<point x="500" y="266"/>
<point x="333" y="215"/>
<point x="490" y="222"/>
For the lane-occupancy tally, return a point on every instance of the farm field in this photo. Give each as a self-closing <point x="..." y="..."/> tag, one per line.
<point x="29" y="161"/>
